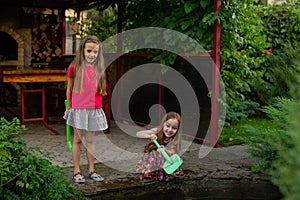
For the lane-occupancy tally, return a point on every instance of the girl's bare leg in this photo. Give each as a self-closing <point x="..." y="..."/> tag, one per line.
<point x="90" y="147"/>
<point x="76" y="150"/>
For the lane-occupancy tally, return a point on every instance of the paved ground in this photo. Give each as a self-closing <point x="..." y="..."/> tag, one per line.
<point x="224" y="169"/>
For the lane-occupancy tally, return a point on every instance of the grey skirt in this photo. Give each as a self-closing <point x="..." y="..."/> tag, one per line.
<point x="86" y="119"/>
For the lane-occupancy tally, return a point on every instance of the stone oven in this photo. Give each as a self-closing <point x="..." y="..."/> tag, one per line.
<point x="15" y="39"/>
<point x="33" y="31"/>
<point x="28" y="36"/>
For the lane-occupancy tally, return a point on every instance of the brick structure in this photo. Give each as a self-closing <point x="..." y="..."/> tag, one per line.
<point x="20" y="51"/>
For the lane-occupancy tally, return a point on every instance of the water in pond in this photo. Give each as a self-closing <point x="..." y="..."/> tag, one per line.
<point x="212" y="190"/>
<point x="177" y="194"/>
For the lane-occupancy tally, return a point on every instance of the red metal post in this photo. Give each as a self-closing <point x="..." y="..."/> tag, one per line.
<point x="215" y="74"/>
<point x="119" y="61"/>
<point x="44" y="113"/>
<point x="63" y="27"/>
<point x="22" y="107"/>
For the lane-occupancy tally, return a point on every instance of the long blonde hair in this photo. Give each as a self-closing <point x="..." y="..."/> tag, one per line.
<point x="99" y="66"/>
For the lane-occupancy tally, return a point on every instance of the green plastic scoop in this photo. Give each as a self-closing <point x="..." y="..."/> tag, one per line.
<point x="68" y="130"/>
<point x="172" y="163"/>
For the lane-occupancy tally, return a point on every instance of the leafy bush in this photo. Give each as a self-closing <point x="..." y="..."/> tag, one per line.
<point x="266" y="145"/>
<point x="24" y="175"/>
<point x="278" y="150"/>
<point x="102" y="23"/>
<point x="242" y="38"/>
<point x="257" y="47"/>
<point x="241" y="111"/>
<point x="282" y="27"/>
<point x="239" y="133"/>
<point x="280" y="74"/>
<point x="285" y="172"/>
<point x="282" y="30"/>
<point x="286" y="169"/>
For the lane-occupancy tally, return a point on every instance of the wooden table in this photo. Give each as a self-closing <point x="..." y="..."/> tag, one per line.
<point x="33" y="76"/>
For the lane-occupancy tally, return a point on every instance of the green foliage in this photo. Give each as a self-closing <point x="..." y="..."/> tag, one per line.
<point x="103" y="23"/>
<point x="263" y="2"/>
<point x="294" y="85"/>
<point x="254" y="40"/>
<point x="241" y="41"/>
<point x="279" y="110"/>
<point x="282" y="29"/>
<point x="24" y="175"/>
<point x="256" y="47"/>
<point x="277" y="146"/>
<point x="193" y="18"/>
<point x="239" y="133"/>
<point x="263" y="147"/>
<point x="267" y="144"/>
<point x="242" y="38"/>
<point x="280" y="75"/>
<point x="282" y="25"/>
<point x="244" y="109"/>
<point x="286" y="169"/>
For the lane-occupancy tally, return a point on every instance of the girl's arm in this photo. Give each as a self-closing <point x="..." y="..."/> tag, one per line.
<point x="168" y="150"/>
<point x="147" y="133"/>
<point x="70" y="82"/>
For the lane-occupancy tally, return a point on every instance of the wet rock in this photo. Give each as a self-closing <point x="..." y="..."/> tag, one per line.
<point x="224" y="173"/>
<point x="213" y="177"/>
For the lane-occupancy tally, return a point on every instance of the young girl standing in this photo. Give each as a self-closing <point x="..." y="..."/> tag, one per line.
<point x="168" y="135"/>
<point x="86" y="84"/>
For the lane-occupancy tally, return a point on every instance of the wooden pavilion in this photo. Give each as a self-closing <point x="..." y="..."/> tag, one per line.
<point x="58" y="7"/>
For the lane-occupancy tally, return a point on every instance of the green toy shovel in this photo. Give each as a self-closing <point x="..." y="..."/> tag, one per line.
<point x="172" y="163"/>
<point x="68" y="130"/>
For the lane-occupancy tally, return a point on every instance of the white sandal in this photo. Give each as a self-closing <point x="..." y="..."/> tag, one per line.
<point x="96" y="177"/>
<point x="79" y="179"/>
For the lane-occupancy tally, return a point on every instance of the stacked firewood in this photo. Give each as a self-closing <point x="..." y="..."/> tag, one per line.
<point x="46" y="38"/>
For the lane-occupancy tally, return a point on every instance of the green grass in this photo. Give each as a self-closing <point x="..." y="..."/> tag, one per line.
<point x="239" y="133"/>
